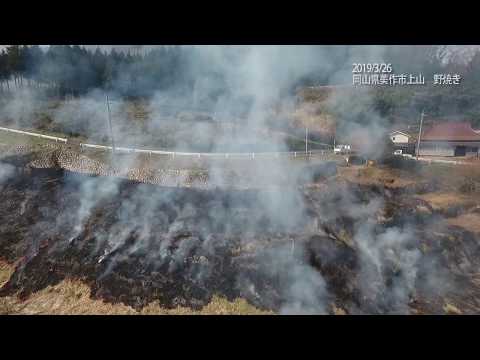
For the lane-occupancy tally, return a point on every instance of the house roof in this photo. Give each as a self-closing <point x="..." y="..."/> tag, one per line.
<point x="412" y="137"/>
<point x="400" y="132"/>
<point x="450" y="131"/>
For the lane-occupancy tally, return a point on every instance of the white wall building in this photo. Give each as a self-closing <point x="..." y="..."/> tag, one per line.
<point x="402" y="140"/>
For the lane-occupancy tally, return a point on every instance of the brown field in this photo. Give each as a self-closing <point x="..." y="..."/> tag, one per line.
<point x="376" y="176"/>
<point x="446" y="200"/>
<point x="470" y="222"/>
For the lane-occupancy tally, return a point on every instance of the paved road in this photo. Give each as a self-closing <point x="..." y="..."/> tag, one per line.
<point x="243" y="155"/>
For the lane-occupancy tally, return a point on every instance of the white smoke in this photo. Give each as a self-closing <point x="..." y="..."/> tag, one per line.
<point x="6" y="172"/>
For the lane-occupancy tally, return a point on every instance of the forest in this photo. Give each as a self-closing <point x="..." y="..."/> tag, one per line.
<point x="74" y="70"/>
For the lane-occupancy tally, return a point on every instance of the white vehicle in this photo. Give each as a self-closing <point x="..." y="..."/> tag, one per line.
<point x="341" y="149"/>
<point x="398" y="152"/>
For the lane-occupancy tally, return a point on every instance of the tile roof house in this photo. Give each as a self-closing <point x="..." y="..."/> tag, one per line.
<point x="449" y="139"/>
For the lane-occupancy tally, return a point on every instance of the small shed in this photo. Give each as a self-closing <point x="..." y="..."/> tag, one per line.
<point x="403" y="140"/>
<point x="399" y="137"/>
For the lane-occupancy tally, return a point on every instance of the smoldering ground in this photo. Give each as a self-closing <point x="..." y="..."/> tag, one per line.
<point x="140" y="243"/>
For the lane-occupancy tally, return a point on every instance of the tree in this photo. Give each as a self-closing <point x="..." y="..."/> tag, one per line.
<point x="14" y="62"/>
<point x="4" y="75"/>
<point x="33" y="57"/>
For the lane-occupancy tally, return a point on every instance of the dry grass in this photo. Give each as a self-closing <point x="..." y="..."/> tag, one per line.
<point x="451" y="309"/>
<point x="12" y="139"/>
<point x="72" y="297"/>
<point x="446" y="200"/>
<point x="313" y="116"/>
<point x="470" y="222"/>
<point x="6" y="271"/>
<point x="375" y="176"/>
<point x="450" y="176"/>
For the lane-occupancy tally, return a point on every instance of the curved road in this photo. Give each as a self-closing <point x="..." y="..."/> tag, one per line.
<point x="173" y="153"/>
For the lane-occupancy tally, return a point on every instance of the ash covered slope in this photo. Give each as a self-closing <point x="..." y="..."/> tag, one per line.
<point x="359" y="248"/>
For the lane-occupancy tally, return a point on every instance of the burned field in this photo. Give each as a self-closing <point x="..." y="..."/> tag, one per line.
<point x="299" y="249"/>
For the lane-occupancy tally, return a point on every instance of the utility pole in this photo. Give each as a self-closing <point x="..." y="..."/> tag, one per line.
<point x="420" y="132"/>
<point x="306" y="141"/>
<point x="110" y="124"/>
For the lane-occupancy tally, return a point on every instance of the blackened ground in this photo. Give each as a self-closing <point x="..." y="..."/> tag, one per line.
<point x="182" y="246"/>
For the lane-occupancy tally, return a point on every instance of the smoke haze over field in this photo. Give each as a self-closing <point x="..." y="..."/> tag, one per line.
<point x="238" y="85"/>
